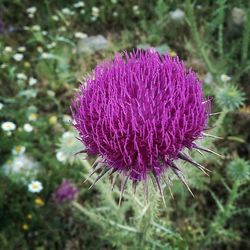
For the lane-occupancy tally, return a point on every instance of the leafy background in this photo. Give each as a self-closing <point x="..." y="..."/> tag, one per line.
<point x="62" y="43"/>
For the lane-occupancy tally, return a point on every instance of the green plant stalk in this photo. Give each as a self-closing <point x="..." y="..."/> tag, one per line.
<point x="245" y="39"/>
<point x="220" y="31"/>
<point x="222" y="216"/>
<point x="197" y="39"/>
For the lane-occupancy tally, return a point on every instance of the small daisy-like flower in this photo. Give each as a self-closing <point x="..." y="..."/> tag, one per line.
<point x="208" y="78"/>
<point x="139" y="113"/>
<point x="32" y="81"/>
<point x="68" y="147"/>
<point x="27" y="127"/>
<point x="25" y="227"/>
<point x="66" y="192"/>
<point x="18" y="57"/>
<point x="60" y="156"/>
<point x="21" y="76"/>
<point x="8" y="49"/>
<point x="21" y="165"/>
<point x="32" y="117"/>
<point x="51" y="45"/>
<point x="177" y="15"/>
<point x="136" y="10"/>
<point x="22" y="49"/>
<point x="39" y="201"/>
<point x="55" y="18"/>
<point x="80" y="35"/>
<point x="8" y="126"/>
<point x="67" y="11"/>
<point x="1" y="106"/>
<point x="95" y="11"/>
<point x="35" y="187"/>
<point x="79" y="5"/>
<point x="18" y="150"/>
<point x="31" y="10"/>
<point x="36" y="28"/>
<point x="225" y="78"/>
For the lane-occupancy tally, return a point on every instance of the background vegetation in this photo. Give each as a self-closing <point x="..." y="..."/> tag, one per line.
<point x="45" y="49"/>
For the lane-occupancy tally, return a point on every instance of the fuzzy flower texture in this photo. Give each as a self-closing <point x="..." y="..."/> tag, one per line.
<point x="138" y="113"/>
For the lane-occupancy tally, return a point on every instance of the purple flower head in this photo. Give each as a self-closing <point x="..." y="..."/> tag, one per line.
<point x="66" y="192"/>
<point x="138" y="113"/>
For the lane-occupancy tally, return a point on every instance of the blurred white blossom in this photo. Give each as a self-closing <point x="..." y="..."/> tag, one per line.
<point x="68" y="146"/>
<point x="35" y="187"/>
<point x="8" y="126"/>
<point x="18" y="57"/>
<point x="1" y="106"/>
<point x="31" y="10"/>
<point x="28" y="127"/>
<point x="208" y="78"/>
<point x="32" y="117"/>
<point x="95" y="11"/>
<point x="177" y="15"/>
<point x="136" y="10"/>
<point x="18" y="150"/>
<point x="8" y="49"/>
<point x="32" y="81"/>
<point x="225" y="78"/>
<point x="79" y="4"/>
<point x="21" y="76"/>
<point x="22" y="165"/>
<point x="80" y="35"/>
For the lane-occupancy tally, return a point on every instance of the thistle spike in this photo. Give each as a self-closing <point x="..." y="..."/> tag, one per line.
<point x="160" y="189"/>
<point x="168" y="183"/>
<point x="124" y="182"/>
<point x="95" y="168"/>
<point x="194" y="163"/>
<point x="81" y="152"/>
<point x="113" y="182"/>
<point x="207" y="150"/>
<point x="180" y="175"/>
<point x="212" y="136"/>
<point x="104" y="171"/>
<point x="217" y="113"/>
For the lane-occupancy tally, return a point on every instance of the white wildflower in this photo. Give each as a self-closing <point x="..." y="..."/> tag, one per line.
<point x="44" y="32"/>
<point x="32" y="117"/>
<point x="22" y="49"/>
<point x="35" y="187"/>
<point x="136" y="10"/>
<point x="36" y="28"/>
<point x="18" y="57"/>
<point x="21" y="76"/>
<point x="7" y="49"/>
<point x="32" y="81"/>
<point x="95" y="11"/>
<point x="80" y="35"/>
<point x="31" y="10"/>
<point x="208" y="78"/>
<point x="60" y="156"/>
<point x="69" y="145"/>
<point x="18" y="150"/>
<point x="67" y="11"/>
<point x="225" y="78"/>
<point x="21" y="164"/>
<point x="28" y="127"/>
<point x="79" y="5"/>
<point x="55" y="18"/>
<point x="8" y="126"/>
<point x="51" y="45"/>
<point x="177" y="15"/>
<point x="1" y="106"/>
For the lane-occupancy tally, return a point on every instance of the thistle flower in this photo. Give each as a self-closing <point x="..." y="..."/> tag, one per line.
<point x="138" y="113"/>
<point x="66" y="192"/>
